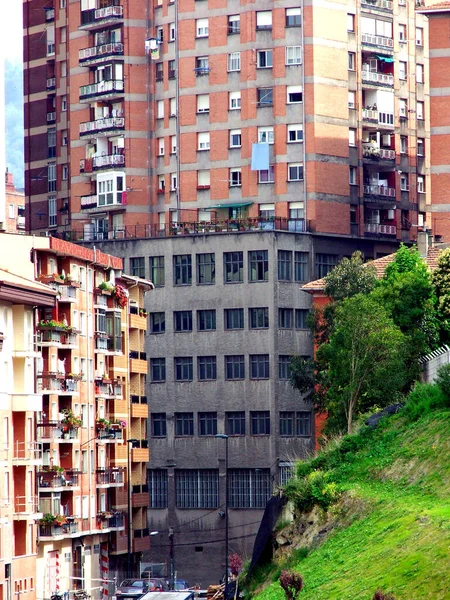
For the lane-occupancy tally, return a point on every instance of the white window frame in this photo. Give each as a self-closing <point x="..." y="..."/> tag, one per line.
<point x="201" y="28"/>
<point x="234" y="101"/>
<point x="269" y="178"/>
<point x="52" y="211"/>
<point x="352" y="137"/>
<point x="352" y="61"/>
<point x="297" y="129"/>
<point x="173" y="182"/>
<point x="160" y="109"/>
<point x="402" y="69"/>
<point x="238" y="178"/>
<point x="173" y="144"/>
<point x="293" y="12"/>
<point x="203" y="178"/>
<point x="352" y="99"/>
<point x="234" y="62"/>
<point x="203" y="103"/>
<point x="161" y="146"/>
<point x="293" y="89"/>
<point x="353" y="175"/>
<point x="299" y="168"/>
<point x="203" y="141"/>
<point x="420" y="110"/>
<point x="172" y="32"/>
<point x="266" y="135"/>
<point x="421" y="184"/>
<point x="235" y="138"/>
<point x="263" y="20"/>
<point x="293" y="55"/>
<point x="266" y="52"/>
<point x="420" y="73"/>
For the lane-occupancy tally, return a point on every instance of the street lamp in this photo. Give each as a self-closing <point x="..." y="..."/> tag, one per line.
<point x="130" y="443"/>
<point x="223" y="436"/>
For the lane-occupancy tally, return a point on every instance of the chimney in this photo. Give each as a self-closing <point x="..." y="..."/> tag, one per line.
<point x="422" y="243"/>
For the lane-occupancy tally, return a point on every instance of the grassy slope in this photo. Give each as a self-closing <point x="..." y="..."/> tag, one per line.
<point x="401" y="541"/>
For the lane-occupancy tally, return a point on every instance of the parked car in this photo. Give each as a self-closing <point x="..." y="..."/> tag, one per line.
<point x="135" y="588"/>
<point x="180" y="584"/>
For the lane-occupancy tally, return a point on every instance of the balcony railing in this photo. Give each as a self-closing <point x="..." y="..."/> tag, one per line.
<point x="101" y="341"/>
<point x="383" y="4"/>
<point x="111" y="476"/>
<point x="111" y="521"/>
<point x="56" y="383"/>
<point x="110" y="434"/>
<point x="380" y="229"/>
<point x="50" y="530"/>
<point x="55" y="430"/>
<point x="26" y="451"/>
<point x="379" y="190"/>
<point x="375" y="153"/>
<point x="103" y="88"/>
<point x="109" y="123"/>
<point x="63" y="338"/>
<point x="51" y="117"/>
<point x="52" y="479"/>
<point x="25" y="505"/>
<point x="88" y="202"/>
<point x="381" y="78"/>
<point x="381" y="118"/>
<point x="377" y="40"/>
<point x="106" y="162"/>
<point x="51" y="83"/>
<point x="99" y="15"/>
<point x="104" y="50"/>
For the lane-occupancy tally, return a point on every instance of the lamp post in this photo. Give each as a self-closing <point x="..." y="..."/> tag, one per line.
<point x="130" y="443"/>
<point x="223" y="436"/>
<point x="172" y="559"/>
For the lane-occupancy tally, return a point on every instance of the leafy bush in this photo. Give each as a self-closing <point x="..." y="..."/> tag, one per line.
<point x="424" y="398"/>
<point x="292" y="584"/>
<point x="443" y="381"/>
<point x="314" y="489"/>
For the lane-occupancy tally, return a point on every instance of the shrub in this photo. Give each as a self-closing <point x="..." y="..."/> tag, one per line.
<point x="311" y="490"/>
<point x="292" y="584"/>
<point x="380" y="595"/>
<point x="424" y="398"/>
<point x="443" y="381"/>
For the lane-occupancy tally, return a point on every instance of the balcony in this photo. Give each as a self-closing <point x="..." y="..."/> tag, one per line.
<point x="101" y="342"/>
<point x="140" y="454"/>
<point x="381" y="119"/>
<point x="110" y="161"/>
<point x="140" y="496"/>
<point x="51" y="83"/>
<point x="139" y="411"/>
<point x="51" y="117"/>
<point x="109" y="477"/>
<point x="56" y="383"/>
<point x="372" y="77"/>
<point x="103" y="89"/>
<point x="58" y="481"/>
<point x="27" y="453"/>
<point x="377" y="40"/>
<point x="110" y="434"/>
<point x="141" y="540"/>
<point x="96" y="54"/>
<point x="138" y="322"/>
<point x="26" y="508"/>
<point x="96" y="18"/>
<point x="378" y="4"/>
<point x="106" y="125"/>
<point x="49" y="14"/>
<point x="56" y="431"/>
<point x="107" y="389"/>
<point x="379" y="190"/>
<point x="377" y="229"/>
<point x="53" y="531"/>
<point x="114" y="521"/>
<point x="52" y="337"/>
<point x="373" y="152"/>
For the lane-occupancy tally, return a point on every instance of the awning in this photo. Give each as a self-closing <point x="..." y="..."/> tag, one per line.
<point x="386" y="59"/>
<point x="238" y="205"/>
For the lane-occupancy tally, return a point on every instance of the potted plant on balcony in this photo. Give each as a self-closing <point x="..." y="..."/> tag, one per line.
<point x="143" y="312"/>
<point x="106" y="288"/>
<point x="118" y="425"/>
<point x="121" y="295"/>
<point x="70" y="421"/>
<point x="102" y="424"/>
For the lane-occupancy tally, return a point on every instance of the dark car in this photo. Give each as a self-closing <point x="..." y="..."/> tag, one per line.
<point x="131" y="589"/>
<point x="180" y="584"/>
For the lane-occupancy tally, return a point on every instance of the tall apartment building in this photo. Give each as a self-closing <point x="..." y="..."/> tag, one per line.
<point x="225" y="142"/>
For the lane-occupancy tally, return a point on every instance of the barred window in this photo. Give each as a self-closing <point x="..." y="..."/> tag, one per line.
<point x="234" y="318"/>
<point x="182" y="321"/>
<point x="206" y="320"/>
<point x="249" y="488"/>
<point x="157" y="322"/>
<point x="137" y="266"/>
<point x="184" y="423"/>
<point x="183" y="368"/>
<point x="206" y="268"/>
<point x="258" y="318"/>
<point x="260" y="422"/>
<point x="284" y="265"/>
<point x="258" y="265"/>
<point x="287" y="471"/>
<point x="285" y="318"/>
<point x="304" y="423"/>
<point x="197" y="488"/>
<point x="157" y="487"/>
<point x="284" y="367"/>
<point x="233" y="267"/>
<point x="259" y="366"/>
<point x="287" y="420"/>
<point x="325" y="263"/>
<point x="235" y="423"/>
<point x="158" y="425"/>
<point x="182" y="269"/>
<point x="207" y="368"/>
<point x="158" y="370"/>
<point x="207" y="423"/>
<point x="301" y="318"/>
<point x="301" y="271"/>
<point x="157" y="270"/>
<point x="235" y="367"/>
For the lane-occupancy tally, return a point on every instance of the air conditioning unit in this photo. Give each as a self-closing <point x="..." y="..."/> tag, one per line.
<point x="386" y="140"/>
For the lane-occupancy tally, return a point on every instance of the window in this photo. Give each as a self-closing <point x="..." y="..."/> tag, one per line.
<point x="249" y="488"/>
<point x="264" y="20"/>
<point x="402" y="108"/>
<point x="173" y="107"/>
<point x="294" y="94"/>
<point x="207" y="423"/>
<point x="403" y="144"/>
<point x="184" y="368"/>
<point x="235" y="178"/>
<point x="287" y="420"/>
<point x="351" y="61"/>
<point x="50" y="40"/>
<point x="235" y="367"/>
<point x="157" y="322"/>
<point x="201" y="65"/>
<point x="235" y="423"/>
<point x="159" y="71"/>
<point x="52" y="211"/>
<point x="206" y="268"/>
<point x="258" y="265"/>
<point x="172" y="69"/>
<point x="63" y="103"/>
<point x="233" y="318"/>
<point x="182" y="269"/>
<point x="234" y="24"/>
<point x="184" y="423"/>
<point x="137" y="267"/>
<point x="160" y="109"/>
<point x="260" y="422"/>
<point x="401" y="32"/>
<point x="235" y="100"/>
<point x="420" y="112"/>
<point x="160" y="144"/>
<point x="404" y="182"/>
<point x="293" y="17"/>
<point x="295" y="133"/>
<point x="420" y="147"/>
<point x="402" y="69"/>
<point x="350" y="22"/>
<point x="301" y="270"/>
<point x="158" y="488"/>
<point x="258" y="318"/>
<point x="259" y="366"/>
<point x="235" y="138"/>
<point x="264" y="96"/>
<point x="295" y="172"/>
<point x="51" y="177"/>
<point x="325" y="263"/>
<point x="12" y="211"/>
<point x="293" y="55"/>
<point x="267" y="176"/>
<point x="51" y="143"/>
<point x="301" y="318"/>
<point x="419" y="36"/>
<point x="206" y="320"/>
<point x="265" y="135"/>
<point x="303" y="423"/>
<point x="352" y="175"/>
<point x="285" y="318"/>
<point x="352" y="137"/>
<point x="233" y="267"/>
<point x="203" y="141"/>
<point x="65" y="172"/>
<point x="172" y="32"/>
<point x="203" y="103"/>
<point x="157" y="270"/>
<point x="196" y="488"/>
<point x="158" y="424"/>
<point x="158" y="370"/>
<point x="284" y="265"/>
<point x="419" y="73"/>
<point x="234" y="61"/>
<point x="267" y="211"/>
<point x="201" y="28"/>
<point x="421" y="184"/>
<point x="207" y="370"/>
<point x="160" y="34"/>
<point x="352" y="100"/>
<point x="264" y="59"/>
<point x="284" y="367"/>
<point x="182" y="321"/>
<point x="203" y="179"/>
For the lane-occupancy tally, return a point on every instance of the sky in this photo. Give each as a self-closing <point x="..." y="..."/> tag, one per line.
<point x="13" y="31"/>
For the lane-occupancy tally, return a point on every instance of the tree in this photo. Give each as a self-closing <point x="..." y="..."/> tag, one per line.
<point x="364" y="358"/>
<point x="349" y="277"/>
<point x="441" y="281"/>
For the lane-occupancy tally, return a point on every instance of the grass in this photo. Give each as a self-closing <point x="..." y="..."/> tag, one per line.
<point x="400" y="540"/>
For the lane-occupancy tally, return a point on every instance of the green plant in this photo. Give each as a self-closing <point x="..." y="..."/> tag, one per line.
<point x="292" y="584"/>
<point x="70" y="419"/>
<point x="102" y="423"/>
<point x="47" y="519"/>
<point x="443" y="380"/>
<point x="314" y="489"/>
<point x="424" y="398"/>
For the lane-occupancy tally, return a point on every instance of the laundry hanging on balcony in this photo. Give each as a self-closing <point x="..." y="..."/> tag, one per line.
<point x="260" y="157"/>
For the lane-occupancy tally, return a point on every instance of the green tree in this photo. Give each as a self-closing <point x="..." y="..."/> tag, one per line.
<point x="365" y="358"/>
<point x="441" y="281"/>
<point x="349" y="277"/>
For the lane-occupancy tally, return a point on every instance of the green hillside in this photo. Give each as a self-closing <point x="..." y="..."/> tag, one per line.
<point x="396" y="533"/>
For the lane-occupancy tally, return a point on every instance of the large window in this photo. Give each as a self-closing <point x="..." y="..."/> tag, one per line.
<point x="284" y="367"/>
<point x="287" y="421"/>
<point x="114" y="331"/>
<point x="233" y="267"/>
<point x="325" y="263"/>
<point x="301" y="271"/>
<point x="249" y="488"/>
<point x="235" y="423"/>
<point x="158" y="424"/>
<point x="235" y="367"/>
<point x="258" y="318"/>
<point x="264" y="59"/>
<point x="157" y="270"/>
<point x="184" y="368"/>
<point x="295" y="424"/>
<point x="206" y="268"/>
<point x="234" y="318"/>
<point x="207" y="423"/>
<point x="293" y="55"/>
<point x="182" y="269"/>
<point x="158" y="370"/>
<point x="284" y="265"/>
<point x="260" y="422"/>
<point x="301" y="318"/>
<point x="184" y="424"/>
<point x="285" y="318"/>
<point x="196" y="488"/>
<point x="207" y="368"/>
<point x="264" y="96"/>
<point x="293" y="17"/>
<point x="182" y="320"/>
<point x="259" y="366"/>
<point x="234" y="61"/>
<point x="258" y="265"/>
<point x="52" y="212"/>
<point x="158" y="488"/>
<point x="303" y="423"/>
<point x="157" y="322"/>
<point x="137" y="266"/>
<point x="206" y="320"/>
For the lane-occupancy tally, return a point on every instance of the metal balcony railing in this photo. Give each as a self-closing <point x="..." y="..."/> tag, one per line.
<point x="111" y="476"/>
<point x="111" y="160"/>
<point x="98" y="125"/>
<point x="377" y="40"/>
<point x="383" y="4"/>
<point x="26" y="451"/>
<point x="379" y="190"/>
<point x="87" y="54"/>
<point x="106" y="87"/>
<point x="380" y="229"/>
<point x="373" y="77"/>
<point x="54" y="530"/>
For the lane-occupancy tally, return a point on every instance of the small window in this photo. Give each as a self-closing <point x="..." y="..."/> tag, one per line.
<point x="235" y="367"/>
<point x="420" y="110"/>
<point x="293" y="17"/>
<point x="419" y="73"/>
<point x="184" y="368"/>
<point x="207" y="368"/>
<point x="294" y="133"/>
<point x="352" y="175"/>
<point x="404" y="182"/>
<point x="264" y="20"/>
<point x="404" y="145"/>
<point x="265" y="96"/>
<point x="258" y="265"/>
<point x="201" y="66"/>
<point x="301" y="318"/>
<point x="160" y="143"/>
<point x="325" y="263"/>
<point x="171" y="32"/>
<point x="157" y="270"/>
<point x="182" y="321"/>
<point x="137" y="266"/>
<point x="158" y="425"/>
<point x="284" y="265"/>
<point x="350" y="22"/>
<point x="293" y="55"/>
<point x="285" y="318"/>
<point x="402" y="33"/>
<point x="420" y="147"/>
<point x="158" y="370"/>
<point x="201" y="28"/>
<point x="258" y="318"/>
<point x="235" y="178"/>
<point x="235" y="138"/>
<point x="295" y="172"/>
<point x="419" y="36"/>
<point x="203" y="103"/>
<point x="234" y="61"/>
<point x="421" y="184"/>
<point x="264" y="59"/>
<point x="402" y="69"/>
<point x="182" y="269"/>
<point x="284" y="367"/>
<point x="184" y="424"/>
<point x="403" y="108"/>
<point x="267" y="175"/>
<point x="203" y="142"/>
<point x="352" y="100"/>
<point x="235" y="423"/>
<point x="303" y="423"/>
<point x="351" y="61"/>
<point x="206" y="320"/>
<point x="207" y="423"/>
<point x="352" y="137"/>
<point x="172" y="69"/>
<point x="265" y="135"/>
<point x="294" y="94"/>
<point x="260" y="422"/>
<point x="233" y="318"/>
<point x="235" y="100"/>
<point x="301" y="266"/>
<point x="233" y="267"/>
<point x="206" y="269"/>
<point x="157" y="322"/>
<point x="234" y="24"/>
<point x="259" y="366"/>
<point x="287" y="421"/>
